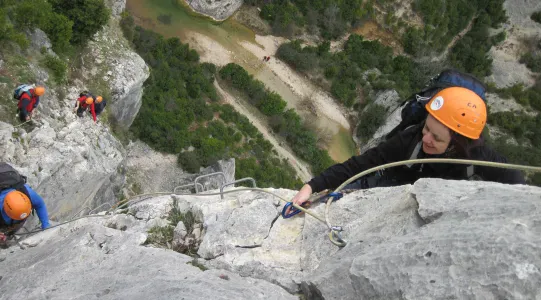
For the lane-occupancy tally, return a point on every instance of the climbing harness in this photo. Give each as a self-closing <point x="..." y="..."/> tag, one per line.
<point x="334" y="234"/>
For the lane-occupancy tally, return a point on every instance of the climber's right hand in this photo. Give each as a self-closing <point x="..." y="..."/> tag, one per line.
<point x="303" y="195"/>
<point x="3" y="237"/>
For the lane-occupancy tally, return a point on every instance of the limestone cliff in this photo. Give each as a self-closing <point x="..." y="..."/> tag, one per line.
<point x="435" y="239"/>
<point x="73" y="161"/>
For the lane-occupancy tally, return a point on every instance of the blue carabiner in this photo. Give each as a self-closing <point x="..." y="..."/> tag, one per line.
<point x="294" y="211"/>
<point x="336" y="195"/>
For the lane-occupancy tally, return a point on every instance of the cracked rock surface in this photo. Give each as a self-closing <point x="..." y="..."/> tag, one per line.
<point x="435" y="239"/>
<point x="87" y="260"/>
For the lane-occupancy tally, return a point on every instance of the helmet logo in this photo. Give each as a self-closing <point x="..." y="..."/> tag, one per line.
<point x="437" y="103"/>
<point x="472" y="105"/>
<point x="23" y="215"/>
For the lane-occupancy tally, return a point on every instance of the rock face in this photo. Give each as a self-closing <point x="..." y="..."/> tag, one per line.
<point x="72" y="162"/>
<point x="435" y="239"/>
<point x="150" y="171"/>
<point x="117" y="6"/>
<point x="472" y="241"/>
<point x="430" y="240"/>
<point x="216" y="9"/>
<point x="506" y="68"/>
<point x="64" y="163"/>
<point x="113" y="62"/>
<point x="86" y="260"/>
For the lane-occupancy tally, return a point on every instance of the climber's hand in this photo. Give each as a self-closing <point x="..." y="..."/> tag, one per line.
<point x="3" y="237"/>
<point x="303" y="195"/>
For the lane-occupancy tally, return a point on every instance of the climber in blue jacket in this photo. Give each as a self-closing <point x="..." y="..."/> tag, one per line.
<point x="16" y="207"/>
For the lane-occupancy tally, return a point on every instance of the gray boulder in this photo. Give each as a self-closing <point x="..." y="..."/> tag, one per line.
<point x="477" y="240"/>
<point x="219" y="10"/>
<point x="116" y="6"/>
<point x="112" y="60"/>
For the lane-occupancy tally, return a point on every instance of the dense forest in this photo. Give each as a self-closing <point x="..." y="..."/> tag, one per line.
<point x="181" y="109"/>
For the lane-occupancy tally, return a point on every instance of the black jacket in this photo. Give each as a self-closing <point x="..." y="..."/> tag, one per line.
<point x="401" y="147"/>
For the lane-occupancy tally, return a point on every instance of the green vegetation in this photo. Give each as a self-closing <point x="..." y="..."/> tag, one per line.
<point x="446" y="19"/>
<point x="532" y="60"/>
<point x="180" y="110"/>
<point x="163" y="236"/>
<point x="127" y="24"/>
<point x="268" y="102"/>
<point x="527" y="132"/>
<point x="371" y="120"/>
<point x="530" y="96"/>
<point x="57" y="67"/>
<point x="345" y="69"/>
<point x="286" y="123"/>
<point x="536" y="16"/>
<point x="88" y="16"/>
<point x="331" y="19"/>
<point x="66" y="22"/>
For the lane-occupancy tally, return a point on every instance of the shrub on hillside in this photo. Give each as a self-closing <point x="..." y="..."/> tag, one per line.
<point x="8" y="33"/>
<point x="30" y="14"/>
<point x="57" y="67"/>
<point x="371" y="119"/>
<point x="536" y="16"/>
<point x="189" y="162"/>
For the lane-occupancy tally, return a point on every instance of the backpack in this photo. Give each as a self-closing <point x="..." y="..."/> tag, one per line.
<point x="413" y="108"/>
<point x="11" y="179"/>
<point x="21" y="89"/>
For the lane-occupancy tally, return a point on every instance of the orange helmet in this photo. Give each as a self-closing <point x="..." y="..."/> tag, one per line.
<point x="460" y="109"/>
<point x="39" y="90"/>
<point x="17" y="205"/>
<point x="99" y="99"/>
<point x="89" y="100"/>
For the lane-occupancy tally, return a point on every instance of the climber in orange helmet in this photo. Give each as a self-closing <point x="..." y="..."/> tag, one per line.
<point x="28" y="97"/>
<point x="452" y="129"/>
<point x="84" y="102"/>
<point x="17" y="200"/>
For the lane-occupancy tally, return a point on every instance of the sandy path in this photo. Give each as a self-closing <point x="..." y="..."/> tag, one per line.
<point x="300" y="167"/>
<point x="300" y="85"/>
<point x="209" y="50"/>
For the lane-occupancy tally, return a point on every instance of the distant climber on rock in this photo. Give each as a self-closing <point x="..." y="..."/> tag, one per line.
<point x="17" y="200"/>
<point x="28" y="96"/>
<point x="452" y="129"/>
<point x="85" y="102"/>
<point x="99" y="105"/>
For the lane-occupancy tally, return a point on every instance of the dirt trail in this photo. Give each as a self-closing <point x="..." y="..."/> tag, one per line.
<point x="300" y="167"/>
<point x="299" y="84"/>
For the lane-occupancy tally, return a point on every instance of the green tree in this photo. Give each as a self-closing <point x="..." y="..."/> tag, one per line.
<point x="88" y="16"/>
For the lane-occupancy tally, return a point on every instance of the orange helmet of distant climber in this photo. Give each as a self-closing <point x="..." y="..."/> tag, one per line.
<point x="39" y="90"/>
<point x="89" y="100"/>
<point x="460" y="109"/>
<point x="17" y="205"/>
<point x="99" y="99"/>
